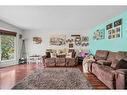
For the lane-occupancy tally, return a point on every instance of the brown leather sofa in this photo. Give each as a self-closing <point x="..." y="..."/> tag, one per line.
<point x="59" y="61"/>
<point x="110" y="68"/>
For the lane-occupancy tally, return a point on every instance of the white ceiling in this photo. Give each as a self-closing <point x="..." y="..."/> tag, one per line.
<point x="64" y="18"/>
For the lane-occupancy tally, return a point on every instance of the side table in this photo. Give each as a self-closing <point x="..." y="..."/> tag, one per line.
<point x="80" y="60"/>
<point x="35" y="59"/>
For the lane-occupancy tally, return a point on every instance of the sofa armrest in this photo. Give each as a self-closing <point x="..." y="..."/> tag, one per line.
<point x="90" y="67"/>
<point x="121" y="71"/>
<point x="43" y="58"/>
<point x="121" y="79"/>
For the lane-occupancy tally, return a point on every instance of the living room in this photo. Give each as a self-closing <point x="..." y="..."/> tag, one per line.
<point x="63" y="47"/>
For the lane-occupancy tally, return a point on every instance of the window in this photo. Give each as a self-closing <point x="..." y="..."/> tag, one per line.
<point x="7" y="47"/>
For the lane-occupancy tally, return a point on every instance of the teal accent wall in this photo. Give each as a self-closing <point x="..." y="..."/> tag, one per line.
<point x="115" y="44"/>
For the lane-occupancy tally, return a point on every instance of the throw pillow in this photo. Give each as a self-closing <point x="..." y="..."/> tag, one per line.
<point x="53" y="55"/>
<point x="101" y="54"/>
<point x="48" y="54"/>
<point x="104" y="62"/>
<point x="114" y="63"/>
<point x="69" y="55"/>
<point x="122" y="64"/>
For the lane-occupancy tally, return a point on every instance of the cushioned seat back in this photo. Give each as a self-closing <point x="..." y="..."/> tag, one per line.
<point x="101" y="54"/>
<point x="73" y="52"/>
<point x="111" y="56"/>
<point x="48" y="55"/>
<point x="118" y="60"/>
<point x="120" y="55"/>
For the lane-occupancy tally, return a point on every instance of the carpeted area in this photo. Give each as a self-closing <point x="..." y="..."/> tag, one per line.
<point x="55" y="78"/>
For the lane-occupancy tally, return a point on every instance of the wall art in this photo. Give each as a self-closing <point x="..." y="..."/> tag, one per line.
<point x="99" y="34"/>
<point x="78" y="40"/>
<point x="37" y="40"/>
<point x="115" y="32"/>
<point x="85" y="41"/>
<point x="109" y="26"/>
<point x="71" y="45"/>
<point x="58" y="40"/>
<point x="118" y="23"/>
<point x="70" y="40"/>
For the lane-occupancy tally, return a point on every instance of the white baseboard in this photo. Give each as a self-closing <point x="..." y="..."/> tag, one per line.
<point x="9" y="63"/>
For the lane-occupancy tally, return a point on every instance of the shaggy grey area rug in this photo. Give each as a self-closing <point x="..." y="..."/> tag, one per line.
<point x="55" y="78"/>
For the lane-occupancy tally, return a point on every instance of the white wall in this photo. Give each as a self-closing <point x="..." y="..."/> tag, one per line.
<point x="6" y="26"/>
<point x="39" y="49"/>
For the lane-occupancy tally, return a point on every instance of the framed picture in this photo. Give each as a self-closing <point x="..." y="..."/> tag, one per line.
<point x="71" y="45"/>
<point x="118" y="29"/>
<point x="37" y="40"/>
<point x="118" y="32"/>
<point x="85" y="41"/>
<point x="109" y="37"/>
<point x="118" y="22"/>
<point x="114" y="32"/>
<point x="109" y="32"/>
<point x="58" y="40"/>
<point x="118" y="35"/>
<point x="78" y="41"/>
<point x="109" y="26"/>
<point x="113" y="36"/>
<point x="85" y="38"/>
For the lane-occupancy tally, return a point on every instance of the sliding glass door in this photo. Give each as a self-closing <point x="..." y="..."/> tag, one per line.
<point x="7" y="47"/>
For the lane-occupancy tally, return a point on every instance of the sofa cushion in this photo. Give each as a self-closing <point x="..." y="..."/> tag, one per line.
<point x="60" y="62"/>
<point x="104" y="62"/>
<point x="106" y="72"/>
<point x="50" y="61"/>
<point x="114" y="63"/>
<point x="120" y="55"/>
<point x="102" y="71"/>
<point x="69" y="55"/>
<point x="111" y="56"/>
<point x="122" y="64"/>
<point x="70" y="62"/>
<point x="101" y="54"/>
<point x="125" y="58"/>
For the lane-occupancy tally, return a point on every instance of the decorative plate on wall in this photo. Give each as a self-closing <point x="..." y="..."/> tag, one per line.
<point x="99" y="34"/>
<point x="78" y="41"/>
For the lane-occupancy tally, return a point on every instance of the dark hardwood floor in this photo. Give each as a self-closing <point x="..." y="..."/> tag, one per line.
<point x="9" y="76"/>
<point x="96" y="83"/>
